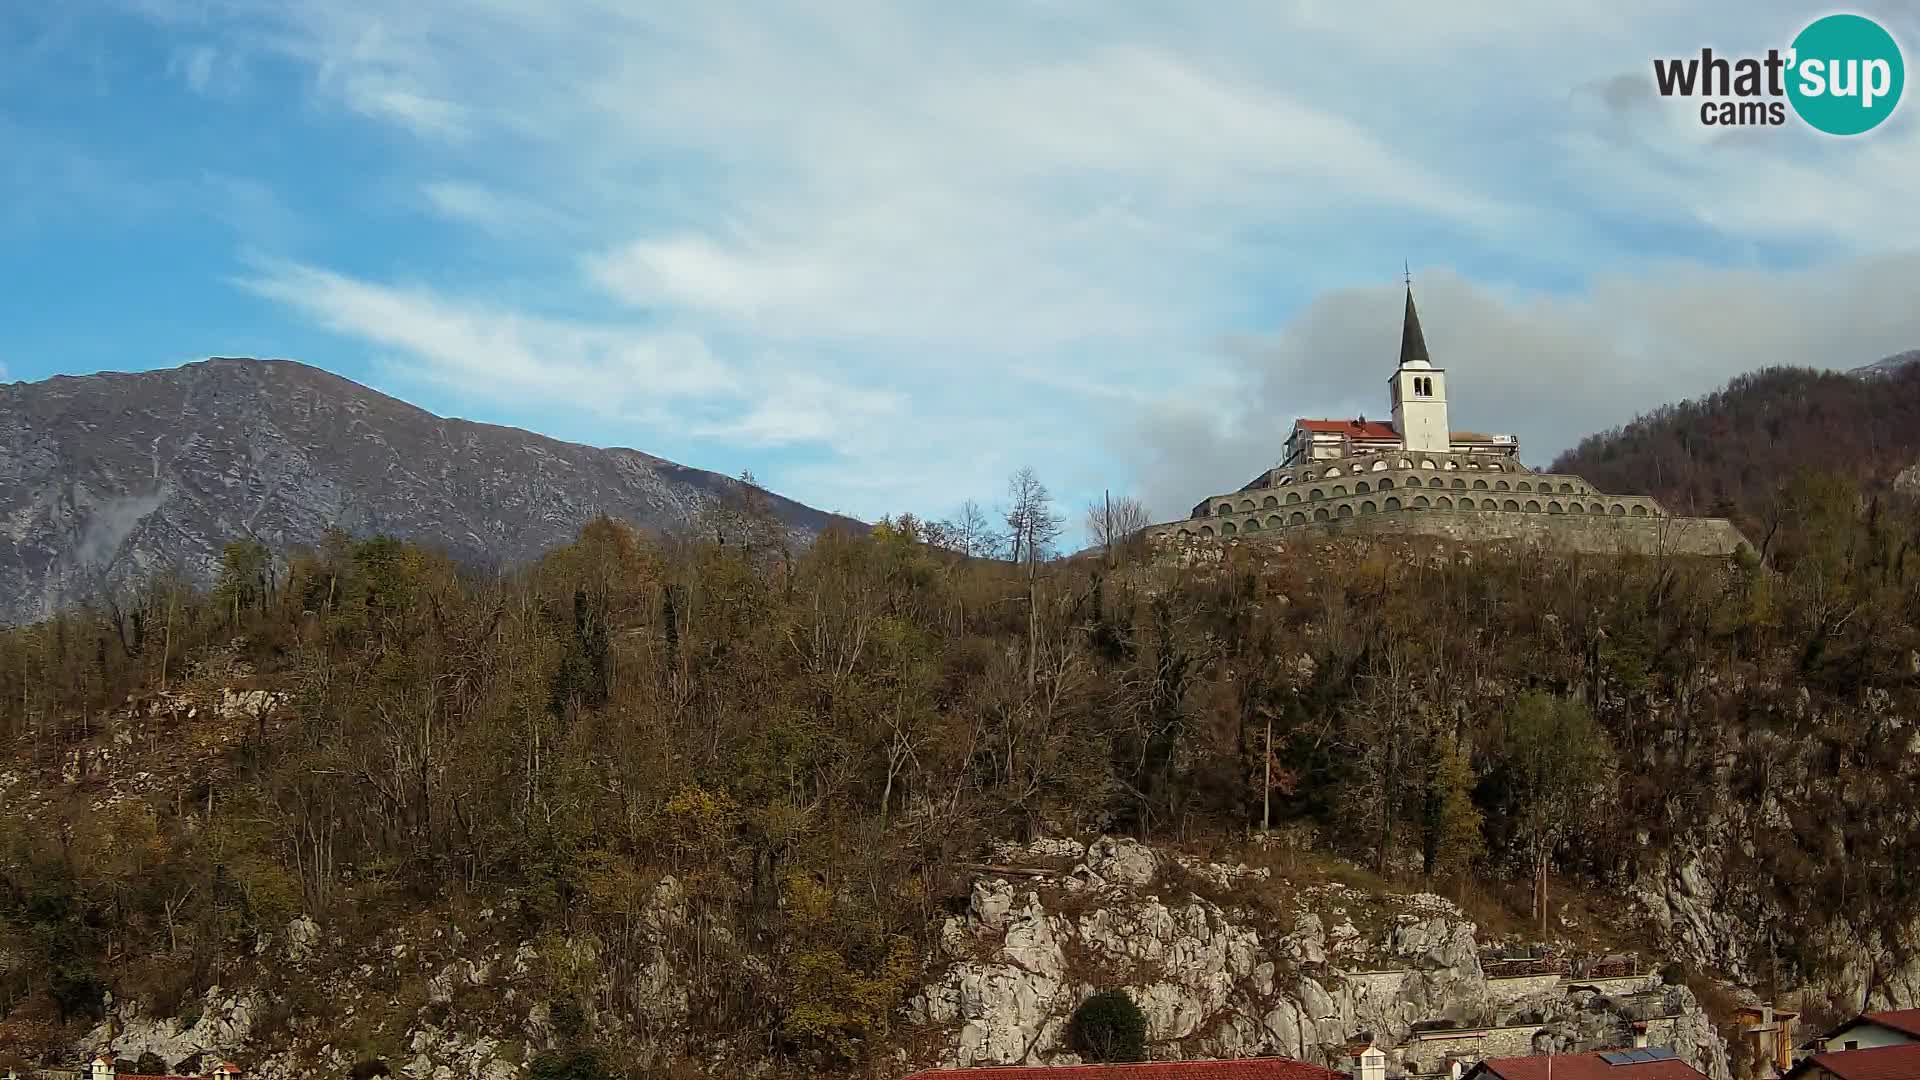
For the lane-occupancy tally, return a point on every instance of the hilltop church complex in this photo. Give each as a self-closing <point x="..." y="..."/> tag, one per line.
<point x="1416" y="475"/>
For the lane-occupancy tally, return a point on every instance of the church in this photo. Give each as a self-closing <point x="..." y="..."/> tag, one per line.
<point x="1415" y="475"/>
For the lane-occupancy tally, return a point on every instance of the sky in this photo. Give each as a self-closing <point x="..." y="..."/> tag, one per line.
<point x="884" y="254"/>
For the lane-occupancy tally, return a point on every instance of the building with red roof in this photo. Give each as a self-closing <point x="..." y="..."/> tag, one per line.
<point x="1640" y="1064"/>
<point x="103" y="1068"/>
<point x="1889" y="1027"/>
<point x="1899" y="1061"/>
<point x="1275" y="1068"/>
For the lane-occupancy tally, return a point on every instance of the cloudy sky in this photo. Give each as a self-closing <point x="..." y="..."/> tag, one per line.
<point x="884" y="253"/>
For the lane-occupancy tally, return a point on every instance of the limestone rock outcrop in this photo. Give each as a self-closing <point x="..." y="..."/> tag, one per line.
<point x="1219" y="982"/>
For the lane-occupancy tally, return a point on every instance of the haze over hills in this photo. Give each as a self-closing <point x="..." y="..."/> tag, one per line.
<point x="106" y="479"/>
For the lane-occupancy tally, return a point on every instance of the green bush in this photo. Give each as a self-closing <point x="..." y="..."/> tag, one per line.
<point x="150" y="1064"/>
<point x="1109" y="1027"/>
<point x="579" y="1063"/>
<point x="371" y="1068"/>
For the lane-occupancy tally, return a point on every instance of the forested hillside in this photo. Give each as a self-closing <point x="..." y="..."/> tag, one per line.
<point x="1726" y="454"/>
<point x="813" y="746"/>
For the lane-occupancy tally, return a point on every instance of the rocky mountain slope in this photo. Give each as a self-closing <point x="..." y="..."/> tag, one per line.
<point x="106" y="479"/>
<point x="472" y="1002"/>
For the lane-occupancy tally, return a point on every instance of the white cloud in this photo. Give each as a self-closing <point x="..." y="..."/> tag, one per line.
<point x="944" y="244"/>
<point x="491" y="209"/>
<point x="503" y="354"/>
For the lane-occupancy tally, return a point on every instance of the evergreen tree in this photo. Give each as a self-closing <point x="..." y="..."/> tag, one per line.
<point x="1457" y="842"/>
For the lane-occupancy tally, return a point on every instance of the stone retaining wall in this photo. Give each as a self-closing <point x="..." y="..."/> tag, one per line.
<point x="1505" y="990"/>
<point x="1592" y="534"/>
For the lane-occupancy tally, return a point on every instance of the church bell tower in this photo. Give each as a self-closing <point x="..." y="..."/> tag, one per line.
<point x="1419" y="391"/>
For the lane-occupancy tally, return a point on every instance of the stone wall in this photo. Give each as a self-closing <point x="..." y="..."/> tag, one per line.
<point x="1426" y="1052"/>
<point x="1509" y="989"/>
<point x="1590" y="533"/>
<point x="1621" y="985"/>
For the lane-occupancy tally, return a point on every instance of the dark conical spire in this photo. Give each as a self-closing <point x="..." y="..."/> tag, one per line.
<point x="1413" y="345"/>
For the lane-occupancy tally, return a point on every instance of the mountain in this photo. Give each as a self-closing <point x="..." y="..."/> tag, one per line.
<point x="106" y="479"/>
<point x="1728" y="453"/>
<point x="1889" y="365"/>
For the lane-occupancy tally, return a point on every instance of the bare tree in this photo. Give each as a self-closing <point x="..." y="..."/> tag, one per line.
<point x="1112" y="522"/>
<point x="1032" y="524"/>
<point x="970" y="533"/>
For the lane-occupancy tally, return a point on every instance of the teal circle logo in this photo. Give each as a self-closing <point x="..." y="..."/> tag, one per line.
<point x="1846" y="74"/>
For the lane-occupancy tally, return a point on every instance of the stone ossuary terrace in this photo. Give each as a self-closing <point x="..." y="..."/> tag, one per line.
<point x="1416" y="475"/>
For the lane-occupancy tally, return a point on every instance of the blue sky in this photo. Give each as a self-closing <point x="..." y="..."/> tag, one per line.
<point x="884" y="254"/>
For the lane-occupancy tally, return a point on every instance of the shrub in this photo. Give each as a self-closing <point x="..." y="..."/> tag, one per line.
<point x="579" y="1063"/>
<point x="370" y="1068"/>
<point x="1109" y="1027"/>
<point x="150" y="1064"/>
<point x="569" y="1019"/>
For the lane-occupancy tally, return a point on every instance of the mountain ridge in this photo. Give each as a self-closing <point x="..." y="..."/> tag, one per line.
<point x="108" y="478"/>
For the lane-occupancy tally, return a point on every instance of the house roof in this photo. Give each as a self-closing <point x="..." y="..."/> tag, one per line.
<point x="1878" y="1063"/>
<point x="1905" y="1021"/>
<point x="1584" y="1067"/>
<point x="1243" y="1069"/>
<point x="1355" y="429"/>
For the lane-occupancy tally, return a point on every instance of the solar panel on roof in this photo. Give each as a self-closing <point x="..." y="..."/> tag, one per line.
<point x="1616" y="1058"/>
<point x="1661" y="1053"/>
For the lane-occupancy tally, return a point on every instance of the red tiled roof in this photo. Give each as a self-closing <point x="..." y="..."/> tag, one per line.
<point x="1878" y="1063"/>
<point x="1243" y="1069"/>
<point x="1356" y="429"/>
<point x="1586" y="1067"/>
<point x="1906" y="1021"/>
